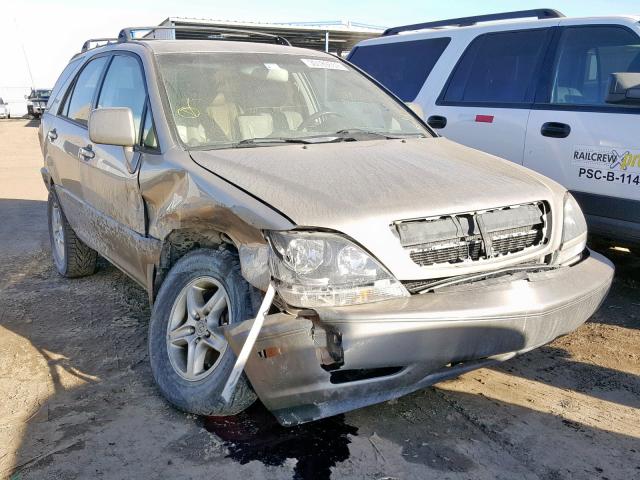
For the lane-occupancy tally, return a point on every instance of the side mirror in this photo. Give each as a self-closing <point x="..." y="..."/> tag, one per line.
<point x="112" y="126"/>
<point x="624" y="88"/>
<point x="417" y="109"/>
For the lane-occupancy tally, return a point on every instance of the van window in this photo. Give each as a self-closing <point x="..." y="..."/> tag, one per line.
<point x="78" y="105"/>
<point x="123" y="86"/>
<point x="498" y="68"/>
<point x="402" y="67"/>
<point x="585" y="59"/>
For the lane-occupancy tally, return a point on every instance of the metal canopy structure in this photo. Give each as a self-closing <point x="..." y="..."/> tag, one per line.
<point x="333" y="36"/>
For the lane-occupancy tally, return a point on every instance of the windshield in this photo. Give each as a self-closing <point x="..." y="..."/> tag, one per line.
<point x="219" y="100"/>
<point x="40" y="94"/>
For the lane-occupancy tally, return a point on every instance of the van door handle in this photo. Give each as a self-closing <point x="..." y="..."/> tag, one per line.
<point x="86" y="153"/>
<point x="52" y="135"/>
<point x="555" y="130"/>
<point x="437" y="121"/>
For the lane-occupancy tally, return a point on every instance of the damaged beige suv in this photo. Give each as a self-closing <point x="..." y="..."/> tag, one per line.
<point x="213" y="171"/>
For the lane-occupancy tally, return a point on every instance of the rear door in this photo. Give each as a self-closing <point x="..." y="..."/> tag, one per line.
<point x="109" y="173"/>
<point x="66" y="133"/>
<point x="574" y="136"/>
<point x="486" y="101"/>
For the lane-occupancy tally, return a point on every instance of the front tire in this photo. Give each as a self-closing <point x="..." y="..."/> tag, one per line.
<point x="190" y="358"/>
<point x="71" y="256"/>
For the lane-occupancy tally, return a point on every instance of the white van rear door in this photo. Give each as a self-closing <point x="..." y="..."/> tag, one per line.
<point x="574" y="136"/>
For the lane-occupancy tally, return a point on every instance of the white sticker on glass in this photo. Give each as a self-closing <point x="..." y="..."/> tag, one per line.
<point x="326" y="64"/>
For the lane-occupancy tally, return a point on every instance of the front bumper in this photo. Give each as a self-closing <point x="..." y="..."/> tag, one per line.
<point x="308" y="367"/>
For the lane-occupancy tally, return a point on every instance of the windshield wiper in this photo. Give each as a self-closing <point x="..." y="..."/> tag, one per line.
<point x="360" y="131"/>
<point x="250" y="142"/>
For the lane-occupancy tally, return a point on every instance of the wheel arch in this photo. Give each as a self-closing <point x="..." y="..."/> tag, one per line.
<point x="181" y="241"/>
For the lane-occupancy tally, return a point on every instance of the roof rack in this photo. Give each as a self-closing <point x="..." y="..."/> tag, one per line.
<point x="128" y="34"/>
<point x="540" y="13"/>
<point x="100" y="42"/>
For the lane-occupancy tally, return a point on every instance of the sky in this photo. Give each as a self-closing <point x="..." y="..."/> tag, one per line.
<point x="49" y="32"/>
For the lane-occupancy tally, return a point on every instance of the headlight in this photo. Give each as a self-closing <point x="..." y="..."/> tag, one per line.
<point x="574" y="230"/>
<point x="316" y="269"/>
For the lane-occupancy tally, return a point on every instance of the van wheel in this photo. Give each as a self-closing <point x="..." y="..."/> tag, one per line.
<point x="71" y="256"/>
<point x="190" y="357"/>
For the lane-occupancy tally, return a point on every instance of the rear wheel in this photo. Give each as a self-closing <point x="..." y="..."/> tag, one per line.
<point x="71" y="256"/>
<point x="190" y="357"/>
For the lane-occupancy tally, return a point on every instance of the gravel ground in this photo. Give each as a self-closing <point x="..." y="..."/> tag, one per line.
<point x="78" y="400"/>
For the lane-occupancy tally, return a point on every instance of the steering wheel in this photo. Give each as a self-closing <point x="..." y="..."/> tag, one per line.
<point x="317" y="118"/>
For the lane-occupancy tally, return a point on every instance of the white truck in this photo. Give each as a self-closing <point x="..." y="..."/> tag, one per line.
<point x="558" y="95"/>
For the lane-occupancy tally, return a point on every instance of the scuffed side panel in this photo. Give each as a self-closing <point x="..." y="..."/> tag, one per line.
<point x="183" y="201"/>
<point x="124" y="247"/>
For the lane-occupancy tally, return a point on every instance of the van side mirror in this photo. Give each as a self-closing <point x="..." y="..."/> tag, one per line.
<point x="112" y="126"/>
<point x="417" y="109"/>
<point x="624" y="88"/>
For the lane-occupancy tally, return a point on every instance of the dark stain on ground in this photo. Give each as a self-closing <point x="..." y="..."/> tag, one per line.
<point x="256" y="435"/>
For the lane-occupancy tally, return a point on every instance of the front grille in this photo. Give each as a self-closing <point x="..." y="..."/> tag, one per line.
<point x="474" y="236"/>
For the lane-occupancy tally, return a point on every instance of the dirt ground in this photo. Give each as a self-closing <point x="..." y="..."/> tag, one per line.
<point x="77" y="399"/>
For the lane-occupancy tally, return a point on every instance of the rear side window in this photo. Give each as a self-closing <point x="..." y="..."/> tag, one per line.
<point x="585" y="59"/>
<point x="402" y="67"/>
<point x="78" y="105"/>
<point x="123" y="86"/>
<point x="498" y="68"/>
<point x="61" y="85"/>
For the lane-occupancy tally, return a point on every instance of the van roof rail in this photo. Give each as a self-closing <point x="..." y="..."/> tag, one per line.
<point x="128" y="34"/>
<point x="87" y="44"/>
<point x="540" y="13"/>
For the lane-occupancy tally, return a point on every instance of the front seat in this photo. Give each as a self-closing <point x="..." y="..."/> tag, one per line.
<point x="225" y="114"/>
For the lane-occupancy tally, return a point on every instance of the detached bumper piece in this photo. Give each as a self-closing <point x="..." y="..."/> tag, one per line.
<point x="337" y="359"/>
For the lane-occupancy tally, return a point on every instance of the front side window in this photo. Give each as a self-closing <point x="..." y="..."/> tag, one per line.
<point x="149" y="138"/>
<point x="78" y="104"/>
<point x="498" y="68"/>
<point x="220" y="99"/>
<point x="403" y="66"/>
<point x="585" y="59"/>
<point x="123" y="86"/>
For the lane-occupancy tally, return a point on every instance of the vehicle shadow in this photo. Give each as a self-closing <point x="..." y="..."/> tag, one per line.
<point x="22" y="227"/>
<point x="33" y="122"/>
<point x="622" y="306"/>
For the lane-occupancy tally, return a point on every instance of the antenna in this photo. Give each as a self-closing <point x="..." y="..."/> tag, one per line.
<point x="26" y="59"/>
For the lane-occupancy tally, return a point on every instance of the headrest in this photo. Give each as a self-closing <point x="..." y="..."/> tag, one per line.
<point x="272" y="73"/>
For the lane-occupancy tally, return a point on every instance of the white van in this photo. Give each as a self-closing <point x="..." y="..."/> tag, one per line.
<point x="558" y="95"/>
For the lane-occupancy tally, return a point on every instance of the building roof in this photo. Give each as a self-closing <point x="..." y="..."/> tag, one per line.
<point x="342" y="35"/>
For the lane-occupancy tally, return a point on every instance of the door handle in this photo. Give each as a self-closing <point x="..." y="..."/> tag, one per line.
<point x="52" y="135"/>
<point x="85" y="153"/>
<point x="555" y="130"/>
<point x="437" y="121"/>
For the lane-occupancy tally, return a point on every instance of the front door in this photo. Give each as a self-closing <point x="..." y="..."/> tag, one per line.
<point x="109" y="173"/>
<point x="576" y="138"/>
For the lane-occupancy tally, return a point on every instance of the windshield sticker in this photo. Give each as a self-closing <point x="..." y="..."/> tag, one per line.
<point x="272" y="66"/>
<point x="326" y="64"/>
<point x="607" y="164"/>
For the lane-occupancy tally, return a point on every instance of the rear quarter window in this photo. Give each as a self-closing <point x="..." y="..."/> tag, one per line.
<point x="498" y="68"/>
<point x="402" y="67"/>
